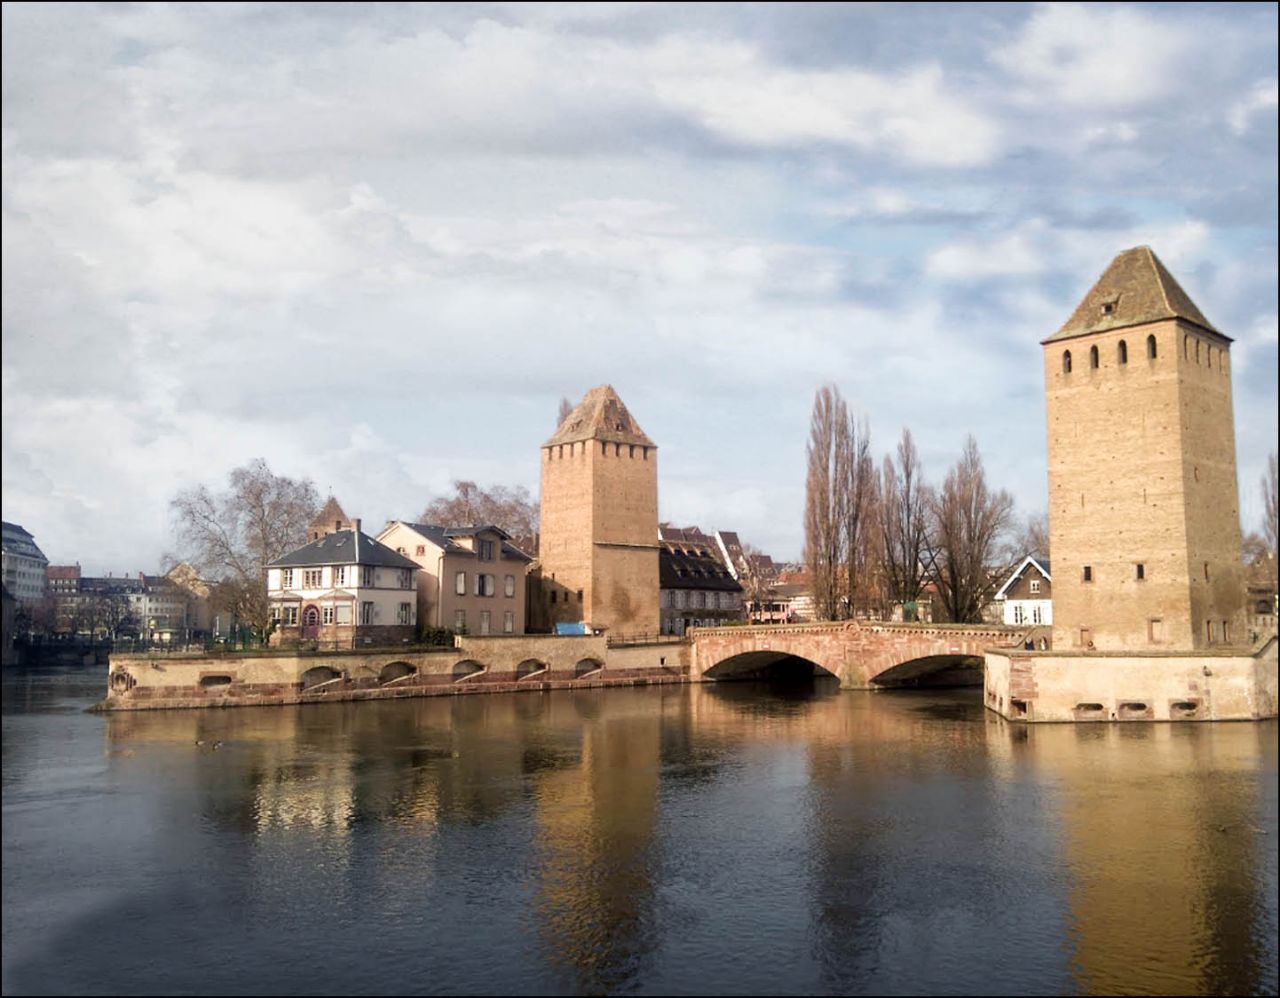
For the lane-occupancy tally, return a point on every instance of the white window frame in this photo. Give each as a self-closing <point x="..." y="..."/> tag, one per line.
<point x="508" y="622"/>
<point x="286" y="578"/>
<point x="402" y="614"/>
<point x="312" y="578"/>
<point x="509" y="585"/>
<point x="460" y="584"/>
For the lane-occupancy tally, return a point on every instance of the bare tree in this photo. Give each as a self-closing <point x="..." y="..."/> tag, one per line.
<point x="903" y="507"/>
<point x="969" y="520"/>
<point x="824" y="507"/>
<point x="756" y="575"/>
<point x="1269" y="502"/>
<point x="231" y="536"/>
<point x="512" y="509"/>
<point x="566" y="407"/>
<point x="1033" y="537"/>
<point x="857" y="495"/>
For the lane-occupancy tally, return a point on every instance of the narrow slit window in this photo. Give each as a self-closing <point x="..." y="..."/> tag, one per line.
<point x="1093" y="357"/>
<point x="1087" y="575"/>
<point x="1151" y="348"/>
<point x="1066" y="361"/>
<point x="1122" y="352"/>
<point x="1139" y="571"/>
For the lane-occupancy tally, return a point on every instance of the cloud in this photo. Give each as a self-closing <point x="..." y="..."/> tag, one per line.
<point x="1263" y="98"/>
<point x="1099" y="56"/>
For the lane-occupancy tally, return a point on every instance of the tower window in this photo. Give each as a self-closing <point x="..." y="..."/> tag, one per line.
<point x="1186" y="348"/>
<point x="1087" y="575"/>
<point x="1109" y="308"/>
<point x="1066" y="361"/>
<point x="1122" y="352"/>
<point x="1206" y="571"/>
<point x="1151" y="348"/>
<point x="1197" y="351"/>
<point x="1139" y="571"/>
<point x="1093" y="357"/>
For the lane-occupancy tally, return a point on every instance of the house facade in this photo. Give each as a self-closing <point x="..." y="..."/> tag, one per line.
<point x="343" y="590"/>
<point x="471" y="580"/>
<point x="1027" y="595"/>
<point x="696" y="587"/>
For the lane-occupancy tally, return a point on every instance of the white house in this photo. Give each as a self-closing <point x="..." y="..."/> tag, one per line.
<point x="1027" y="595"/>
<point x="344" y="589"/>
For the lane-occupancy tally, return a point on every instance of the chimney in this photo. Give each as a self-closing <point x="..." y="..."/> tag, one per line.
<point x="356" y="523"/>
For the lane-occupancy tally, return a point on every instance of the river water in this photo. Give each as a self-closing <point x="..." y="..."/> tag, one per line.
<point x="736" y="839"/>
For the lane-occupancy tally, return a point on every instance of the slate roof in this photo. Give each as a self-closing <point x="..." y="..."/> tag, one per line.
<point x="442" y="537"/>
<point x="686" y="566"/>
<point x="600" y="416"/>
<point x="1135" y="289"/>
<point x="339" y="548"/>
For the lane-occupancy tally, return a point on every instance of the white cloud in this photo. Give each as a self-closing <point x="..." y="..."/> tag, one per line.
<point x="1100" y="56"/>
<point x="1262" y="99"/>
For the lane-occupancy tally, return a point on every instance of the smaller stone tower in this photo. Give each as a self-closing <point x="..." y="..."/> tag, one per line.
<point x="330" y="520"/>
<point x="599" y="519"/>
<point x="1144" y="523"/>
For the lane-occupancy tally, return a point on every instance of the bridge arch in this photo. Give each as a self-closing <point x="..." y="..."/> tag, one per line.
<point x="933" y="670"/>
<point x="318" y="676"/>
<point x="757" y="665"/>
<point x="530" y="667"/>
<point x="586" y="666"/>
<point x="396" y="670"/>
<point x="466" y="669"/>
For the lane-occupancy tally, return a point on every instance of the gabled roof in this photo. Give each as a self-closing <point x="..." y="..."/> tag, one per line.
<point x="343" y="547"/>
<point x="442" y="537"/>
<point x="1042" y="566"/>
<point x="682" y="566"/>
<point x="600" y="416"/>
<point x="1134" y="290"/>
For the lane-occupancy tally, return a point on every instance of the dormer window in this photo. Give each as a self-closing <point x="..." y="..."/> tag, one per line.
<point x="1108" y="308"/>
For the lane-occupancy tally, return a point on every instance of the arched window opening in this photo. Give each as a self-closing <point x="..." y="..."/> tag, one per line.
<point x="1123" y="352"/>
<point x="1151" y="348"/>
<point x="1093" y="357"/>
<point x="1066" y="361"/>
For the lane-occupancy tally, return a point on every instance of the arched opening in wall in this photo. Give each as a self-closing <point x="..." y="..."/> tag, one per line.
<point x="1093" y="357"/>
<point x="466" y="669"/>
<point x="1066" y="361"/>
<point x="213" y="682"/>
<point x="1122" y="352"/>
<point x="1151" y="348"/>
<point x="1197" y="351"/>
<point x="319" y="676"/>
<point x="770" y="667"/>
<point x="396" y="670"/>
<point x="529" y="667"/>
<point x="586" y="667"/>
<point x="933" y="671"/>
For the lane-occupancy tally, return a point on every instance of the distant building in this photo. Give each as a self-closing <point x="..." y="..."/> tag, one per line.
<point x="24" y="564"/>
<point x="697" y="589"/>
<point x="344" y="589"/>
<point x="7" y="624"/>
<point x="598" y="548"/>
<point x="471" y="580"/>
<point x="1026" y="597"/>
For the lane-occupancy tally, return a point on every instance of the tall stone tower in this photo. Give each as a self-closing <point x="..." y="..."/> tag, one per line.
<point x="1144" y="522"/>
<point x="599" y="519"/>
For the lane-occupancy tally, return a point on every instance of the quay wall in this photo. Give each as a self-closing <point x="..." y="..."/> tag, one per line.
<point x="157" y="680"/>
<point x="1223" y="685"/>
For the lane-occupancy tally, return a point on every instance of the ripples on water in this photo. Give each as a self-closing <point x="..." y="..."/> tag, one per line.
<point x="718" y="839"/>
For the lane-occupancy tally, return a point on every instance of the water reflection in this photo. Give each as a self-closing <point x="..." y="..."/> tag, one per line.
<point x="729" y="838"/>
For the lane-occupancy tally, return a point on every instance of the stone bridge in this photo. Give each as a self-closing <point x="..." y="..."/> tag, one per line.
<point x="861" y="654"/>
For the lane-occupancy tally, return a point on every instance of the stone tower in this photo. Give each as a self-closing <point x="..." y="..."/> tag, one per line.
<point x="1144" y="522"/>
<point x="599" y="519"/>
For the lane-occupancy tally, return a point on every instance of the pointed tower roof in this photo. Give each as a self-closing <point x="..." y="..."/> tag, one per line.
<point x="600" y="416"/>
<point x="330" y="519"/>
<point x="1134" y="290"/>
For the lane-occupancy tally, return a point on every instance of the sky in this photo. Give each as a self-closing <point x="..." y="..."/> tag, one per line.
<point x="376" y="244"/>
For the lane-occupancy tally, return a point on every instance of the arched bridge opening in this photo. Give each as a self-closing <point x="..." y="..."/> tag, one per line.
<point x="768" y="666"/>
<point x="933" y="671"/>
